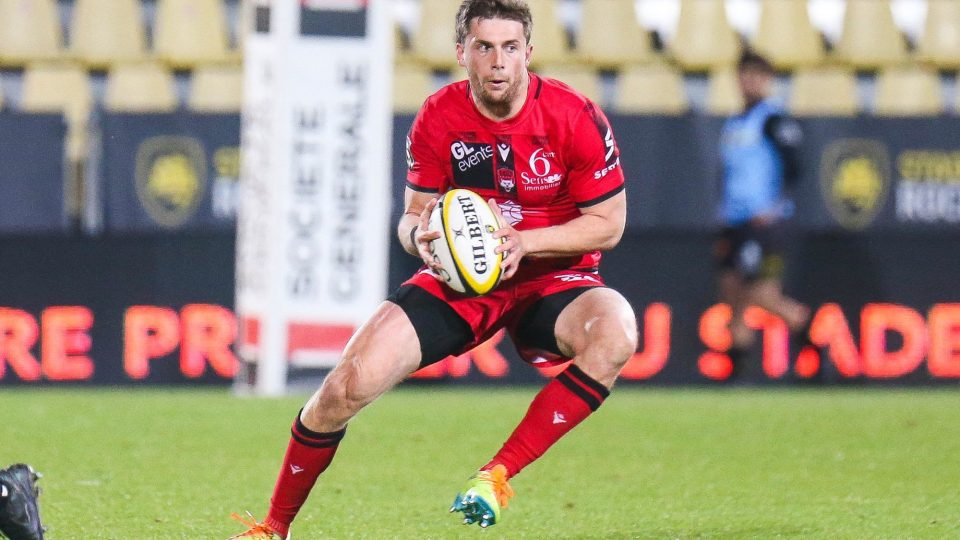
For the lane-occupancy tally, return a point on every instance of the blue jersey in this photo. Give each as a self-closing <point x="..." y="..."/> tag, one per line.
<point x="753" y="166"/>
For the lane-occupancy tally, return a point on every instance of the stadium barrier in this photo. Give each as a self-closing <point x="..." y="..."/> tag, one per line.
<point x="179" y="171"/>
<point x="157" y="309"/>
<point x="32" y="194"/>
<point x="151" y="303"/>
<point x="170" y="171"/>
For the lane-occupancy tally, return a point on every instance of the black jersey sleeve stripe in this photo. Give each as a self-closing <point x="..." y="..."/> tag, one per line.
<point x="601" y="198"/>
<point x="581" y="392"/>
<point x="536" y="95"/>
<point x="588" y="381"/>
<point x="421" y="189"/>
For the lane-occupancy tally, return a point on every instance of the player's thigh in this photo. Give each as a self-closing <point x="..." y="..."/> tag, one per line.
<point x="600" y="318"/>
<point x="441" y="330"/>
<point x="381" y="353"/>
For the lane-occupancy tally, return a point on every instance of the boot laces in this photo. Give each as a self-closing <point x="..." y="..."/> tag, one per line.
<point x="497" y="476"/>
<point x="255" y="529"/>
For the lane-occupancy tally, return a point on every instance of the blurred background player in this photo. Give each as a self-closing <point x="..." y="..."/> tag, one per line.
<point x="541" y="149"/>
<point x="759" y="150"/>
<point x="19" y="509"/>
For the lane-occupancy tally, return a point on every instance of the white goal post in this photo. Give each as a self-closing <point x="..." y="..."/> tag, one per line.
<point x="313" y="219"/>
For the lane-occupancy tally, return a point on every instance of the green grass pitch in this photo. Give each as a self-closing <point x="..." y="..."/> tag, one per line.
<point x="652" y="463"/>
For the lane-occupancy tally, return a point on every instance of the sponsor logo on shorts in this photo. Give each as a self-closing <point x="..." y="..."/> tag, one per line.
<point x="576" y="277"/>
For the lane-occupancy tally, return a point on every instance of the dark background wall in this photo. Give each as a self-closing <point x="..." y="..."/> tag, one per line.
<point x="851" y="248"/>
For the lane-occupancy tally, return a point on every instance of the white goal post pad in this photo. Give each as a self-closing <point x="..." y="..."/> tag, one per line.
<point x="313" y="220"/>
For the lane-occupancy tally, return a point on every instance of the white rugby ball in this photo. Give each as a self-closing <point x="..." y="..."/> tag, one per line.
<point x="464" y="250"/>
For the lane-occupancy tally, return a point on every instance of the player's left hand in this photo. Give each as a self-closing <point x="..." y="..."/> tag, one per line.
<point x="512" y="246"/>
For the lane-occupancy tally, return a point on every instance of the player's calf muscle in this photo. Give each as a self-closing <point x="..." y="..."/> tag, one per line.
<point x="378" y="358"/>
<point x="347" y="389"/>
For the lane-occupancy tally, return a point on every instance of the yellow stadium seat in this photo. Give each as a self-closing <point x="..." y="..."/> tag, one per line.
<point x="107" y="31"/>
<point x="604" y="18"/>
<point x="61" y="88"/>
<point x="584" y="79"/>
<point x="191" y="32"/>
<point x="908" y="91"/>
<point x="940" y="42"/>
<point x="140" y="87"/>
<point x="723" y="92"/>
<point x="656" y="88"/>
<point x="401" y="47"/>
<point x="704" y="39"/>
<point x="434" y="42"/>
<point x="216" y="88"/>
<point x="550" y="43"/>
<point x="29" y="32"/>
<point x="786" y="36"/>
<point x="870" y="38"/>
<point x="412" y="83"/>
<point x="824" y="91"/>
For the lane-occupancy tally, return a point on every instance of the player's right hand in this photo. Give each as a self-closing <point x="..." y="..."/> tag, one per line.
<point x="424" y="236"/>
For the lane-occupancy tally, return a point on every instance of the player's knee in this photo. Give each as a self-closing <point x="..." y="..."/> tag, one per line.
<point x="625" y="340"/>
<point x="354" y="389"/>
<point x="616" y="334"/>
<point x="344" y="389"/>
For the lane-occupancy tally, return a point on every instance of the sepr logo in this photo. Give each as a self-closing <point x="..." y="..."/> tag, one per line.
<point x="170" y="178"/>
<point x="854" y="181"/>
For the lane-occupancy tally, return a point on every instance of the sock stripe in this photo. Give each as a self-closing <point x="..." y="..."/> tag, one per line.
<point x="588" y="381"/>
<point x="314" y="439"/>
<point x="591" y="400"/>
<point x="313" y="443"/>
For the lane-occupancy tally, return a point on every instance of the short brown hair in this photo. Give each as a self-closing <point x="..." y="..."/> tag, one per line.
<point x="511" y="10"/>
<point x="751" y="59"/>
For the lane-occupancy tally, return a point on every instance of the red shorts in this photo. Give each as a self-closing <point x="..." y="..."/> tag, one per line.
<point x="527" y="305"/>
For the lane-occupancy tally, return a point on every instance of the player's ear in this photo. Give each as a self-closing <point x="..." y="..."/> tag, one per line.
<point x="528" y="55"/>
<point x="460" y="59"/>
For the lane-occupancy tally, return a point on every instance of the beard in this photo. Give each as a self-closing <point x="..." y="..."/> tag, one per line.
<point x="498" y="103"/>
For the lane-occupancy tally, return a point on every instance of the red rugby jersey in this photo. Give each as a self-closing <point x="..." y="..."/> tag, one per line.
<point x="556" y="155"/>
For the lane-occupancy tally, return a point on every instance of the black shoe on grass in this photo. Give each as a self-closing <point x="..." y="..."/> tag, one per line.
<point x="19" y="511"/>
